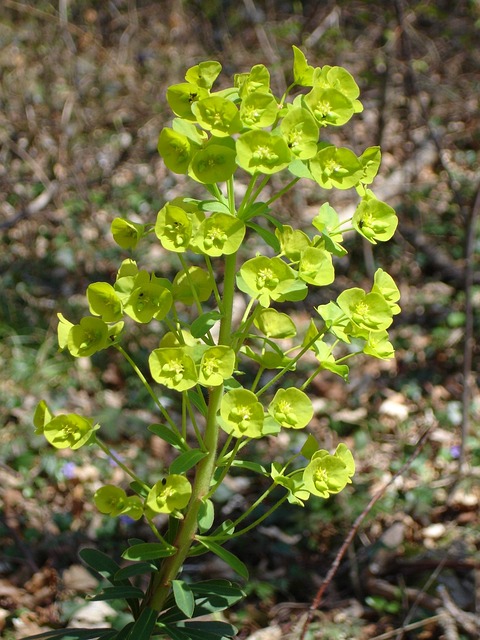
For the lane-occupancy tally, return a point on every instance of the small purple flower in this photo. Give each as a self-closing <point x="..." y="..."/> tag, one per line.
<point x="126" y="520"/>
<point x="112" y="462"/>
<point x="455" y="451"/>
<point x="69" y="470"/>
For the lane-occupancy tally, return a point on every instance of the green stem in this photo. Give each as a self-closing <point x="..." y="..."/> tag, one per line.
<point x="283" y="191"/>
<point x="160" y="585"/>
<point x="163" y="411"/>
<point x="106" y="449"/>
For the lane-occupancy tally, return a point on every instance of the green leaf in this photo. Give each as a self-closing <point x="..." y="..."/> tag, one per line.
<point x="374" y="219"/>
<point x="266" y="235"/>
<point x="235" y="563"/>
<point x="118" y="593"/>
<point x="41" y="417"/>
<point x="187" y="460"/>
<point x="132" y="570"/>
<point x="176" y="150"/>
<point x="125" y="233"/>
<point x="144" y="625"/>
<point x="206" y="515"/>
<point x="69" y="431"/>
<point x="75" y="634"/>
<point x="87" y="337"/>
<point x="101" y="563"/>
<point x="316" y="267"/>
<point x="148" y="551"/>
<point x="204" y="74"/>
<point x="214" y="163"/>
<point x="274" y="324"/>
<point x="104" y="301"/>
<point x="194" y="278"/>
<point x="201" y="630"/>
<point x="202" y="325"/>
<point x="183" y="597"/>
<point x="300" y="130"/>
<point x="170" y="436"/>
<point x="181" y="97"/>
<point x="310" y="447"/>
<point x="251" y="466"/>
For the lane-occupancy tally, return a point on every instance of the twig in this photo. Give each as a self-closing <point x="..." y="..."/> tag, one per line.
<point x="410" y="627"/>
<point x="469" y="621"/>
<point x="353" y="532"/>
<point x="469" y="342"/>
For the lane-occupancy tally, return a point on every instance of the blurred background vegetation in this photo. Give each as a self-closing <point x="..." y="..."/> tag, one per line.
<point x="82" y="101"/>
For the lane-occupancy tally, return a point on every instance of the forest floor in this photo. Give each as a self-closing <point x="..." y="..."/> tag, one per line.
<point x="82" y="101"/>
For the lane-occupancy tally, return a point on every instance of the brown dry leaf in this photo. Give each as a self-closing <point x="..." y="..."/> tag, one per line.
<point x="77" y="578"/>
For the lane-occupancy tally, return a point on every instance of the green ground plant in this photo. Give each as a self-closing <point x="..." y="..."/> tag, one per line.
<point x="216" y="139"/>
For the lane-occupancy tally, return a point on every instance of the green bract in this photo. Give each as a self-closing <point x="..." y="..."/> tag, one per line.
<point x="173" y="228"/>
<point x="169" y="495"/>
<point x="336" y="167"/>
<point x="173" y="367"/>
<point x="374" y="220"/>
<point x="148" y="301"/>
<point x="291" y="408"/>
<point x="191" y="285"/>
<point x="219" y="234"/>
<point x="113" y="501"/>
<point x="258" y="79"/>
<point x="125" y="233"/>
<point x="274" y="324"/>
<point x="384" y="284"/>
<point x="241" y="414"/>
<point x="204" y="74"/>
<point x="260" y="151"/>
<point x="368" y="311"/>
<point x="316" y="266"/>
<point x="176" y="150"/>
<point x="217" y="364"/>
<point x="302" y="71"/>
<point x="329" y="106"/>
<point x="326" y="474"/>
<point x="215" y="162"/>
<point x="87" y="337"/>
<point x="292" y="241"/>
<point x="259" y="110"/>
<point x="217" y="115"/>
<point x="103" y="301"/>
<point x="300" y="131"/>
<point x="69" y="431"/>
<point x="181" y="97"/>
<point x="41" y="417"/>
<point x="270" y="279"/>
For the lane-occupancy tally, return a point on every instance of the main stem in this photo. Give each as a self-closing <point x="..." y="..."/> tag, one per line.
<point x="161" y="582"/>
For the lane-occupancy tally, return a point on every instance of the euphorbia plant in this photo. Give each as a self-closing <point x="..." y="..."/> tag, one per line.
<point x="230" y="141"/>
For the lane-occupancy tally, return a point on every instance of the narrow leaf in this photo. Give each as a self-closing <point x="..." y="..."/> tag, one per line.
<point x="100" y="562"/>
<point x="137" y="569"/>
<point x="148" y="551"/>
<point x="266" y="235"/>
<point x="164" y="432"/>
<point x="118" y="593"/>
<point x="144" y="625"/>
<point x="183" y="597"/>
<point x="201" y="325"/>
<point x="187" y="460"/>
<point x="235" y="563"/>
<point x="74" y="634"/>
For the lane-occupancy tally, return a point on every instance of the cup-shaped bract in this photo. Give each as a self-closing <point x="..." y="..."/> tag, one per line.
<point x="173" y="367"/>
<point x="217" y="115"/>
<point x="260" y="151"/>
<point x="241" y="414"/>
<point x="257" y="79"/>
<point x="103" y="301"/>
<point x="217" y="364"/>
<point x="325" y="474"/>
<point x="192" y="284"/>
<point x="215" y="162"/>
<point x="291" y="408"/>
<point x="258" y="110"/>
<point x="181" y="97"/>
<point x="63" y="329"/>
<point x="269" y="279"/>
<point x="384" y="284"/>
<point x="176" y="150"/>
<point x="292" y="241"/>
<point x="378" y="345"/>
<point x="300" y="130"/>
<point x="340" y="79"/>
<point x="368" y="311"/>
<point x="69" y="431"/>
<point x="316" y="267"/>
<point x="87" y="337"/>
<point x="41" y="417"/>
<point x="110" y="500"/>
<point x="169" y="495"/>
<point x="329" y="106"/>
<point x="150" y="300"/>
<point x="219" y="234"/>
<point x="274" y="324"/>
<point x="374" y="220"/>
<point x="302" y="71"/>
<point x="336" y="167"/>
<point x="204" y="73"/>
<point x="126" y="233"/>
<point x="174" y="228"/>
